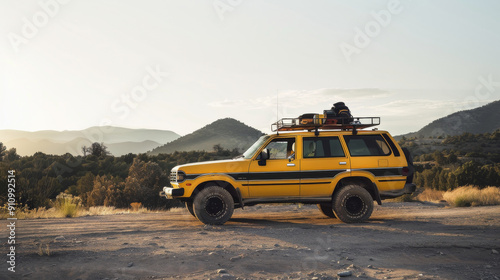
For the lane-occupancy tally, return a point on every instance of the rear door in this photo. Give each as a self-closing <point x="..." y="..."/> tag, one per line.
<point x="371" y="154"/>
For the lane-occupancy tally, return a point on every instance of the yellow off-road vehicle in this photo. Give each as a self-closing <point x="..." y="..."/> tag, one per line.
<point x="340" y="166"/>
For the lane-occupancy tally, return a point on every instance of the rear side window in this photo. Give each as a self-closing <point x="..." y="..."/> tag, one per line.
<point x="393" y="147"/>
<point x="367" y="145"/>
<point x="321" y="147"/>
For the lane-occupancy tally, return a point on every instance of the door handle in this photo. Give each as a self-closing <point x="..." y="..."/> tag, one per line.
<point x="342" y="163"/>
<point x="290" y="164"/>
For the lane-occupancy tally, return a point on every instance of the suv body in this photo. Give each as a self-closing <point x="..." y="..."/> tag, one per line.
<point x="341" y="171"/>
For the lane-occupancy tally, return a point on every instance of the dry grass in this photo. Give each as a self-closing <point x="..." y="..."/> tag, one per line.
<point x="403" y="198"/>
<point x="43" y="213"/>
<point x="39" y="213"/>
<point x="177" y="209"/>
<point x="430" y="195"/>
<point x="473" y="196"/>
<point x="463" y="196"/>
<point x="109" y="210"/>
<point x="103" y="210"/>
<point x="67" y="206"/>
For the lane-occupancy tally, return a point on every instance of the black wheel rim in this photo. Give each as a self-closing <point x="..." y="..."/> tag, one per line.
<point x="354" y="205"/>
<point x="215" y="206"/>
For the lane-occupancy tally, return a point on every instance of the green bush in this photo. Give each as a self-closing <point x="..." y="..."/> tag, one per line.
<point x="462" y="202"/>
<point x="67" y="205"/>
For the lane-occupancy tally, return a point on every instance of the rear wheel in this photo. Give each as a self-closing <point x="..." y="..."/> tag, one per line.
<point x="213" y="205"/>
<point x="353" y="204"/>
<point x="327" y="210"/>
<point x="189" y="207"/>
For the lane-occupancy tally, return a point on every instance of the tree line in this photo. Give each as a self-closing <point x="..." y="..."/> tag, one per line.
<point x="454" y="161"/>
<point x="97" y="177"/>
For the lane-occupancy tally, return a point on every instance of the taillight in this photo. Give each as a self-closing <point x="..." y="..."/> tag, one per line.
<point x="405" y="171"/>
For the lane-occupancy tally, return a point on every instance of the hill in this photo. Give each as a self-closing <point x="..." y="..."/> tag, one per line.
<point x="476" y="121"/>
<point x="119" y="140"/>
<point x="484" y="147"/>
<point x="229" y="133"/>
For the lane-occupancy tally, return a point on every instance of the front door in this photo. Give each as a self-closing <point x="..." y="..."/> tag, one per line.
<point x="280" y="176"/>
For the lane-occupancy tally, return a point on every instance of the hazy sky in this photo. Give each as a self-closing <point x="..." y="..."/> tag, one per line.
<point x="179" y="65"/>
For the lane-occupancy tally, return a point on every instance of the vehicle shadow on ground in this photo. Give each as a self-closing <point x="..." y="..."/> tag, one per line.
<point x="411" y="233"/>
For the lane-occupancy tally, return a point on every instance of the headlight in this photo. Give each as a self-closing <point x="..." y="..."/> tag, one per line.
<point x="181" y="176"/>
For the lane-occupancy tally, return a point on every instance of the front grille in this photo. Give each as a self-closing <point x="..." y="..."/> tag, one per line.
<point x="173" y="176"/>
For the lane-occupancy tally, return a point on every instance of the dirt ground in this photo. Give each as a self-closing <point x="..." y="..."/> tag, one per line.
<point x="400" y="241"/>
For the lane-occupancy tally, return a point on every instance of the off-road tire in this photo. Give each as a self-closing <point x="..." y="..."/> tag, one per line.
<point x="189" y="207"/>
<point x="353" y="204"/>
<point x="327" y="210"/>
<point x="213" y="205"/>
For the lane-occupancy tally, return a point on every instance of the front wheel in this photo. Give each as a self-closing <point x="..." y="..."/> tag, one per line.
<point x="213" y="205"/>
<point x="353" y="204"/>
<point x="189" y="207"/>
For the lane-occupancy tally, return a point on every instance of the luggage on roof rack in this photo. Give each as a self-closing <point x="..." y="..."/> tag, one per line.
<point x="319" y="122"/>
<point x="307" y="119"/>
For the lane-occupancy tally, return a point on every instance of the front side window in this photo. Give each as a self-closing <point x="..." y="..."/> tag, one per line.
<point x="367" y="145"/>
<point x="281" y="148"/>
<point x="320" y="147"/>
<point x="251" y="151"/>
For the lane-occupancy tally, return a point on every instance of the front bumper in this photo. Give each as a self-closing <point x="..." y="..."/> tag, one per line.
<point x="170" y="192"/>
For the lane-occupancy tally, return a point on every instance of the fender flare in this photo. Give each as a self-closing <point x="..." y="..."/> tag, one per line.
<point x="223" y="181"/>
<point x="377" y="194"/>
<point x="365" y="181"/>
<point x="238" y="192"/>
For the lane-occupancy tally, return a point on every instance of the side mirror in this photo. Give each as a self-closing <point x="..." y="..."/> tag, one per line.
<point x="263" y="157"/>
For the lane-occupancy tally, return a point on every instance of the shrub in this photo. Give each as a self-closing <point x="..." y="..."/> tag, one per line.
<point x="67" y="205"/>
<point x="135" y="206"/>
<point x="473" y="196"/>
<point x="43" y="250"/>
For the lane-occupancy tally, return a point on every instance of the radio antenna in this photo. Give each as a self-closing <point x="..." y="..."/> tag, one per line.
<point x="277" y="108"/>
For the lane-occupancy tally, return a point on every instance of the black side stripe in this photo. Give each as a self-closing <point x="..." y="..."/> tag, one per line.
<point x="287" y="184"/>
<point x="394" y="180"/>
<point x="321" y="174"/>
<point x="381" y="172"/>
<point x="296" y="175"/>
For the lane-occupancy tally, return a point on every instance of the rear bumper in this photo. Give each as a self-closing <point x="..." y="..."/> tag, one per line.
<point x="408" y="189"/>
<point x="170" y="192"/>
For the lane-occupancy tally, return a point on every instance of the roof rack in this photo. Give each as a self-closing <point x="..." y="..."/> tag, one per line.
<point x="316" y="123"/>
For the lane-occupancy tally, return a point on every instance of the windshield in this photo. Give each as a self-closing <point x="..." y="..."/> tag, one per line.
<point x="251" y="151"/>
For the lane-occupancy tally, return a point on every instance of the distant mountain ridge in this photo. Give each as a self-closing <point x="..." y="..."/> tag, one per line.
<point x="479" y="120"/>
<point x="109" y="134"/>
<point x="119" y="140"/>
<point x="228" y="132"/>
